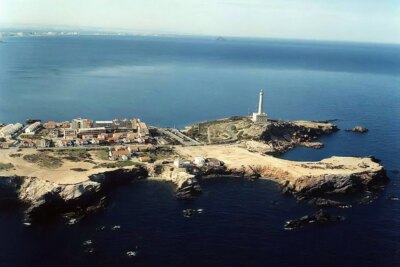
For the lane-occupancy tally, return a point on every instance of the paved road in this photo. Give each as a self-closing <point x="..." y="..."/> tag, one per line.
<point x="178" y="136"/>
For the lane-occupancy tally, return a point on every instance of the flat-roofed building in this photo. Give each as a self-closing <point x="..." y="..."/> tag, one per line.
<point x="65" y="124"/>
<point x="43" y="143"/>
<point x="32" y="129"/>
<point x="93" y="131"/>
<point x="103" y="136"/>
<point x="50" y="125"/>
<point x="81" y="123"/>
<point x="70" y="132"/>
<point x="105" y="124"/>
<point x="10" y="130"/>
<point x="119" y="154"/>
<point x="63" y="143"/>
<point x="122" y="124"/>
<point x="134" y="123"/>
<point x="142" y="129"/>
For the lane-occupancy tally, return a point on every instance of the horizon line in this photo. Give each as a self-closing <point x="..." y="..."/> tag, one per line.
<point x="110" y="31"/>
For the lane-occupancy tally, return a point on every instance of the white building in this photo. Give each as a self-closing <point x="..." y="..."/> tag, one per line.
<point x="81" y="123"/>
<point x="69" y="132"/>
<point x="31" y="129"/>
<point x="199" y="161"/>
<point x="10" y="130"/>
<point x="95" y="130"/>
<point x="260" y="116"/>
<point x="179" y="163"/>
<point x="142" y="129"/>
<point x="105" y="124"/>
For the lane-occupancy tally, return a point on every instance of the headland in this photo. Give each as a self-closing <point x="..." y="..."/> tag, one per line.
<point x="67" y="166"/>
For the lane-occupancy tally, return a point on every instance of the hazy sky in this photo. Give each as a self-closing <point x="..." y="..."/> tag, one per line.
<point x="354" y="20"/>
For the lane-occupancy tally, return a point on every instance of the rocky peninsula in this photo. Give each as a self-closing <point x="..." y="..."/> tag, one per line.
<point x="58" y="182"/>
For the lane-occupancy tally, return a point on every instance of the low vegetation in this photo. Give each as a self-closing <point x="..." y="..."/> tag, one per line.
<point x="226" y="131"/>
<point x="78" y="169"/>
<point x="102" y="154"/>
<point x="6" y="166"/>
<point x="16" y="155"/>
<point x="75" y="155"/>
<point x="44" y="160"/>
<point x="29" y="136"/>
<point x="117" y="164"/>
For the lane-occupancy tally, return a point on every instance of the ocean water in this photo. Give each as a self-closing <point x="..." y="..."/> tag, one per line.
<point x="178" y="81"/>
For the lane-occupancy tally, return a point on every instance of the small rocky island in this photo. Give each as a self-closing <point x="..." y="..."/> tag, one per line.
<point x="358" y="129"/>
<point x="74" y="181"/>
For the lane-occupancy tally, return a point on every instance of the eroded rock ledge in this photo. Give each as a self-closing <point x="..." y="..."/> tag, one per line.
<point x="43" y="198"/>
<point x="335" y="175"/>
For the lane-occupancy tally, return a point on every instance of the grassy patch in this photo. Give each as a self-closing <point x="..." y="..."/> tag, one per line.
<point x="75" y="155"/>
<point x="31" y="136"/>
<point x="44" y="160"/>
<point x="116" y="164"/>
<point x="16" y="155"/>
<point x="78" y="169"/>
<point x="102" y="154"/>
<point x="6" y="166"/>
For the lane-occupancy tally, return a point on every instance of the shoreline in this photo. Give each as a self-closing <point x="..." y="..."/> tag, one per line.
<point x="74" y="185"/>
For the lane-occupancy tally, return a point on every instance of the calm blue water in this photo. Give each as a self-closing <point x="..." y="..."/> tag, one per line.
<point x="178" y="81"/>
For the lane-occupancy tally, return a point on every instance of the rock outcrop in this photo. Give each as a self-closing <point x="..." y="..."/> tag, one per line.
<point x="358" y="129"/>
<point x="187" y="184"/>
<point x="320" y="217"/>
<point x="44" y="198"/>
<point x="305" y="180"/>
<point x="317" y="186"/>
<point x="274" y="137"/>
<point x="284" y="135"/>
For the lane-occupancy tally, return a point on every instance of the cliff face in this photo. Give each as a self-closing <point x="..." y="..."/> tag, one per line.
<point x="33" y="189"/>
<point x="187" y="184"/>
<point x="317" y="186"/>
<point x="302" y="179"/>
<point x="44" y="198"/>
<point x="284" y="135"/>
<point x="170" y="173"/>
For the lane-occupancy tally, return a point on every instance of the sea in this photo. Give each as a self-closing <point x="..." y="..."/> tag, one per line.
<point x="176" y="81"/>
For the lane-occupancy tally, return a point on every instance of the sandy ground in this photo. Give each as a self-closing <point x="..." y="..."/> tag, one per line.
<point x="235" y="157"/>
<point x="61" y="175"/>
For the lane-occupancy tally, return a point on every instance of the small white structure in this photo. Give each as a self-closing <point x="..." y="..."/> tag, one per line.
<point x="31" y="129"/>
<point x="199" y="161"/>
<point x="178" y="163"/>
<point x="260" y="116"/>
<point x="181" y="163"/>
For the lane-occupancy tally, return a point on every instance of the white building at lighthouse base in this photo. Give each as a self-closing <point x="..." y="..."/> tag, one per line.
<point x="260" y="117"/>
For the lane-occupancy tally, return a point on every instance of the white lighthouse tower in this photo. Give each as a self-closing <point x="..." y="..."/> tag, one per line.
<point x="260" y="116"/>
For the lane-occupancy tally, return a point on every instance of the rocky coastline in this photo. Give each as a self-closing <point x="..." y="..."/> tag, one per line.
<point x="313" y="188"/>
<point x="41" y="199"/>
<point x="246" y="152"/>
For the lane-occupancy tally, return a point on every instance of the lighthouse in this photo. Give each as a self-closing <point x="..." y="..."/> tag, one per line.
<point x="260" y="116"/>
